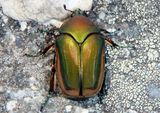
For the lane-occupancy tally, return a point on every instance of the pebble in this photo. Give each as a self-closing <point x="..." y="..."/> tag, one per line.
<point x="131" y="111"/>
<point x="102" y="15"/>
<point x="5" y="19"/>
<point x="27" y="99"/>
<point x="34" y="87"/>
<point x="111" y="30"/>
<point x="154" y="91"/>
<point x="112" y="21"/>
<point x="2" y="89"/>
<point x="81" y="110"/>
<point x="68" y="108"/>
<point x="10" y="37"/>
<point x="152" y="54"/>
<point x="150" y="108"/>
<point x="11" y="105"/>
<point x="23" y="25"/>
<point x="128" y="105"/>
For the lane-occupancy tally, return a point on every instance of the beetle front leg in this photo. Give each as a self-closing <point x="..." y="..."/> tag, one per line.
<point x="108" y="41"/>
<point x="111" y="43"/>
<point x="103" y="90"/>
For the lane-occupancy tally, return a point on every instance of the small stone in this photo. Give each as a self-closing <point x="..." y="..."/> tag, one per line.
<point x="39" y="65"/>
<point x="112" y="21"/>
<point x="34" y="87"/>
<point x="32" y="79"/>
<point x="154" y="91"/>
<point x="23" y="25"/>
<point x="102" y="15"/>
<point x="5" y="19"/>
<point x="27" y="99"/>
<point x="11" y="105"/>
<point x="137" y="103"/>
<point x="131" y="111"/>
<point x="158" y="66"/>
<point x="10" y="37"/>
<point x="81" y="110"/>
<point x="153" y="64"/>
<point x="127" y="53"/>
<point x="152" y="45"/>
<point x="53" y="22"/>
<point x="109" y="1"/>
<point x="152" y="54"/>
<point x="2" y="89"/>
<point x="150" y="108"/>
<point x="127" y="104"/>
<point x="111" y="30"/>
<point x="68" y="108"/>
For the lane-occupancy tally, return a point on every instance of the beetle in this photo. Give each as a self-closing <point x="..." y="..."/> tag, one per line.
<point x="79" y="60"/>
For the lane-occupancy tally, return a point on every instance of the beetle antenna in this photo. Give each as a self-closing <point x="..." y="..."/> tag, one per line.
<point x="66" y="8"/>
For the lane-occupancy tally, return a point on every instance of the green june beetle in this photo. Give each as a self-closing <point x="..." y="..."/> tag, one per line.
<point x="79" y="61"/>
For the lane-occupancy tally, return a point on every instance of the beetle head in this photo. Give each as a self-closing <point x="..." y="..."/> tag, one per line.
<point x="76" y="12"/>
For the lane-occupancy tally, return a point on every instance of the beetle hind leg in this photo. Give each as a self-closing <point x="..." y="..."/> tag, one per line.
<point x="53" y="86"/>
<point x="106" y="81"/>
<point x="53" y="80"/>
<point x="102" y="92"/>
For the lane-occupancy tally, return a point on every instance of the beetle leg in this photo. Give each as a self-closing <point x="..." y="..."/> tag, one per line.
<point x="108" y="41"/>
<point x="103" y="91"/>
<point x="114" y="45"/>
<point x="53" y="81"/>
<point x="106" y="81"/>
<point x="53" y="84"/>
<point x="111" y="43"/>
<point x="51" y="34"/>
<point x="45" y="102"/>
<point x="41" y="52"/>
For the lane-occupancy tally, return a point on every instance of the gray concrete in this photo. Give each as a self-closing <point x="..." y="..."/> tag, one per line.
<point x="134" y="74"/>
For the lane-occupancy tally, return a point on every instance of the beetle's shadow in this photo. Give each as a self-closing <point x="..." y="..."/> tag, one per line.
<point x="92" y="101"/>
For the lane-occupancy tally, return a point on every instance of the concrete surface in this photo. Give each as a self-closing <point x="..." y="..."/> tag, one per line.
<point x="134" y="74"/>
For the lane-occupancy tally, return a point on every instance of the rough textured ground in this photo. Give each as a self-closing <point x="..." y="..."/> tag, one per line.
<point x="134" y="74"/>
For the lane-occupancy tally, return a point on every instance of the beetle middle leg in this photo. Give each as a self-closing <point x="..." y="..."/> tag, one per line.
<point x="51" y="34"/>
<point x="53" y="84"/>
<point x="41" y="52"/>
